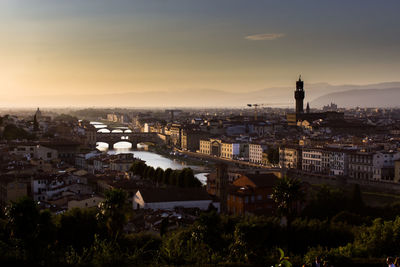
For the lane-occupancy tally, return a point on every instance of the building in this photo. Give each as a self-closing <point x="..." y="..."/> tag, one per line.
<point x="252" y="194"/>
<point x="299" y="115"/>
<point x="256" y="153"/>
<point x="11" y="189"/>
<point x="312" y="160"/>
<point x="51" y="187"/>
<point x="66" y="149"/>
<point x="90" y="135"/>
<point x="121" y="118"/>
<point x="175" y="133"/>
<point x="205" y="147"/>
<point x="338" y="162"/>
<point x="384" y="165"/>
<point x="331" y="107"/>
<point x="190" y="139"/>
<point x="397" y="171"/>
<point x="230" y="150"/>
<point x="122" y="162"/>
<point x="290" y="157"/>
<point x="361" y="165"/>
<point x="85" y="201"/>
<point x="38" y="114"/>
<point x="325" y="161"/>
<point x="299" y="96"/>
<point x="222" y="149"/>
<point x="380" y="166"/>
<point x="45" y="187"/>
<point x="45" y="153"/>
<point x="36" y="151"/>
<point x="171" y="198"/>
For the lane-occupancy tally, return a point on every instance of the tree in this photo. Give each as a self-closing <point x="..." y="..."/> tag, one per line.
<point x="287" y="194"/>
<point x="325" y="203"/>
<point x="159" y="174"/>
<point x="113" y="211"/>
<point x="66" y="118"/>
<point x="138" y="168"/>
<point x="188" y="177"/>
<point x="23" y="218"/>
<point x="166" y="176"/>
<point x="357" y="202"/>
<point x="149" y="173"/>
<point x="77" y="228"/>
<point x="33" y="229"/>
<point x="253" y="237"/>
<point x="173" y="178"/>
<point x="181" y="178"/>
<point x="12" y="132"/>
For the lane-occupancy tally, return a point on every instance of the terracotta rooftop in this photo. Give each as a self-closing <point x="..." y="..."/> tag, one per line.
<point x="173" y="194"/>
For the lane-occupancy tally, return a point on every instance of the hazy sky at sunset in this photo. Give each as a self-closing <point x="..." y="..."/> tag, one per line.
<point x="104" y="46"/>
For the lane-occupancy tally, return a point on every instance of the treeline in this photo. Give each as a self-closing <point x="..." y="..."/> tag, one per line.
<point x="96" y="237"/>
<point x="181" y="178"/>
<point x="13" y="132"/>
<point x="66" y="118"/>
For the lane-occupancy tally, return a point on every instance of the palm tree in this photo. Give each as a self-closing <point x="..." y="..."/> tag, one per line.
<point x="287" y="193"/>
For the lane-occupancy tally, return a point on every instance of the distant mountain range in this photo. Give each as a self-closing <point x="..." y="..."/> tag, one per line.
<point x="319" y="94"/>
<point x="362" y="98"/>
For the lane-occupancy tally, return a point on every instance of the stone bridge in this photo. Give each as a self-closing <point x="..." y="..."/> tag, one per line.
<point x="133" y="138"/>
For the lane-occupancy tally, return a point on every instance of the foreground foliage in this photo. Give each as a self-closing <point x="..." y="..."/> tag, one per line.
<point x="96" y="237"/>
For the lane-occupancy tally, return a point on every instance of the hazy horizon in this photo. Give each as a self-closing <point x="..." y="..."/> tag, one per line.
<point x="99" y="48"/>
<point x="319" y="94"/>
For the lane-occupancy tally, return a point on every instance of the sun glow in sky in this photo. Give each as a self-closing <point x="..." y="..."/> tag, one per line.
<point x="94" y="47"/>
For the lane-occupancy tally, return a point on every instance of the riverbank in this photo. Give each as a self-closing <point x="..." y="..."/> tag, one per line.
<point x="178" y="155"/>
<point x="237" y="163"/>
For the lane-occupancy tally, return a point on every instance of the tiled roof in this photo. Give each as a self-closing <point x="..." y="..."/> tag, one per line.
<point x="261" y="180"/>
<point x="173" y="194"/>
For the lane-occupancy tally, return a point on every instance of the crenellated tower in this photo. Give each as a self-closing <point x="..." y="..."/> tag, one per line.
<point x="299" y="96"/>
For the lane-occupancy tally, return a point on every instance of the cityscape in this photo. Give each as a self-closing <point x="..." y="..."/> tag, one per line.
<point x="126" y="139"/>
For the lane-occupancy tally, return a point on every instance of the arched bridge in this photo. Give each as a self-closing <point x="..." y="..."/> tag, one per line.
<point x="133" y="138"/>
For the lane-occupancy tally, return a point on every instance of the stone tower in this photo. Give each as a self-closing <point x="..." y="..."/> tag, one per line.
<point x="299" y="96"/>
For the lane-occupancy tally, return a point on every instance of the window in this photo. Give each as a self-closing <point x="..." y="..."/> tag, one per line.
<point x="259" y="197"/>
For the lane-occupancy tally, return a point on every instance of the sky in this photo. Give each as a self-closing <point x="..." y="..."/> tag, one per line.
<point x="58" y="47"/>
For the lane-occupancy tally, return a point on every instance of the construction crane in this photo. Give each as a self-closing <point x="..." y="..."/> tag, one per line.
<point x="255" y="109"/>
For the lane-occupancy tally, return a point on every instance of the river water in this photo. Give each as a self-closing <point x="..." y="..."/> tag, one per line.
<point x="152" y="159"/>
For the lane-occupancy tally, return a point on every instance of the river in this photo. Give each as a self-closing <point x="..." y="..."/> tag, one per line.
<point x="152" y="159"/>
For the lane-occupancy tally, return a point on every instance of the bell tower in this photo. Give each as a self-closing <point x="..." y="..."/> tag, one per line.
<point x="299" y="96"/>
